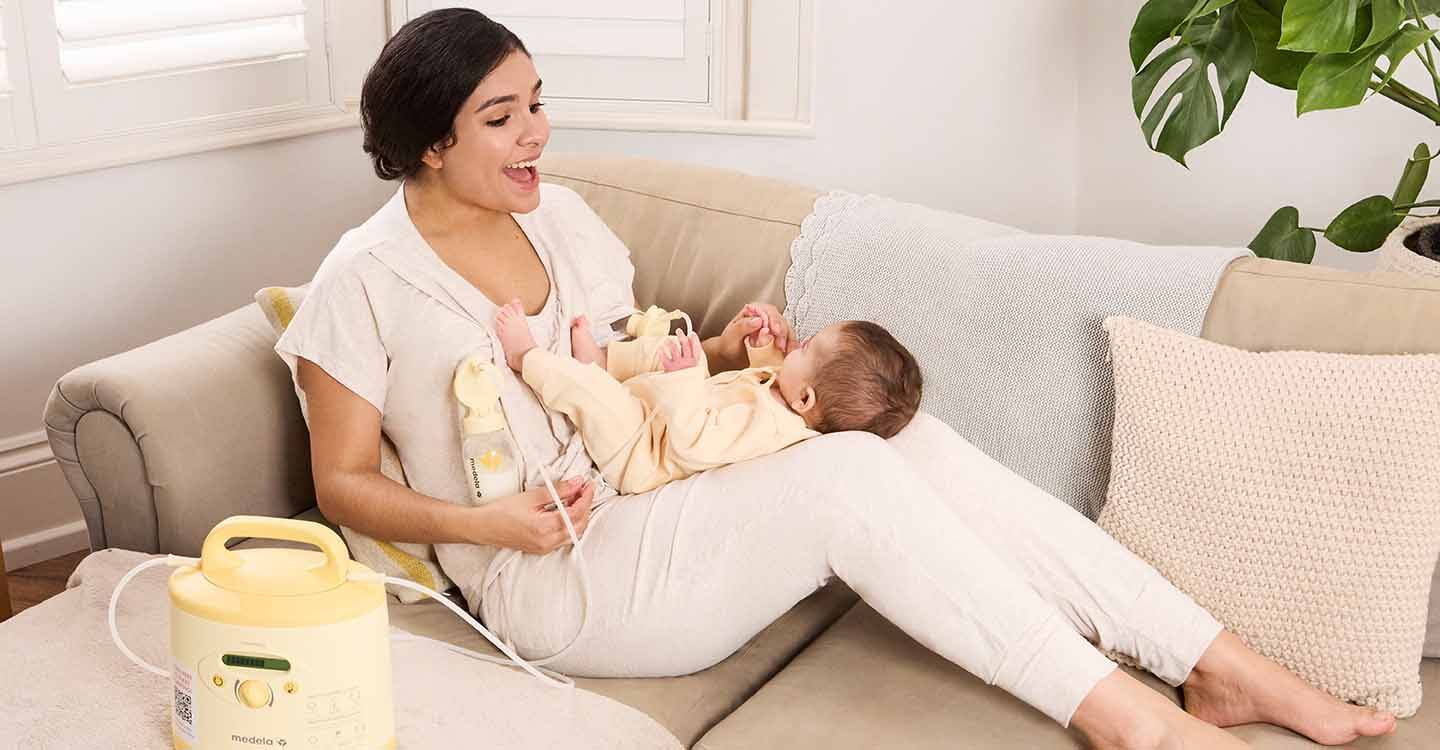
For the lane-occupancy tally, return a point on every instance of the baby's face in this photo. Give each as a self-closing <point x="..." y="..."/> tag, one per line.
<point x="802" y="364"/>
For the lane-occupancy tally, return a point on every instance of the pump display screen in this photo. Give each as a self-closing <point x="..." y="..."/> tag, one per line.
<point x="255" y="662"/>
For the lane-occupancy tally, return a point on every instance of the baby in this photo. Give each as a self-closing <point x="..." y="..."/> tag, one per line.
<point x="650" y="413"/>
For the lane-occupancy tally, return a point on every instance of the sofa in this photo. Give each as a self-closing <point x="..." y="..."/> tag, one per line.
<point x="162" y="442"/>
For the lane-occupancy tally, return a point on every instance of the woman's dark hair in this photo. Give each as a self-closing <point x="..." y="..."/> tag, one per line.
<point x="424" y="74"/>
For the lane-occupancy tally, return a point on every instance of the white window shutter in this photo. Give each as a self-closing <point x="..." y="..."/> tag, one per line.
<point x="617" y="51"/>
<point x="5" y="86"/>
<point x="114" y="39"/>
<point x="102" y="67"/>
<point x="13" y="102"/>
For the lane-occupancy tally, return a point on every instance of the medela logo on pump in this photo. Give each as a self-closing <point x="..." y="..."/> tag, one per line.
<point x="254" y="740"/>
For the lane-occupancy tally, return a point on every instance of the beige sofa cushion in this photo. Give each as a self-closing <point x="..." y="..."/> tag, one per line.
<point x="866" y="684"/>
<point x="1264" y="305"/>
<point x="703" y="240"/>
<point x="1291" y="494"/>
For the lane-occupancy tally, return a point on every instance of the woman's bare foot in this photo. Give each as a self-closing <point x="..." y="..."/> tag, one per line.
<point x="1232" y="684"/>
<point x="1120" y="713"/>
<point x="582" y="342"/>
<point x="514" y="332"/>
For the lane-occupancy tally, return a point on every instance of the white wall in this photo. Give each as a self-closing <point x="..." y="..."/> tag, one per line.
<point x="1265" y="159"/>
<point x="963" y="106"/>
<point x="97" y="263"/>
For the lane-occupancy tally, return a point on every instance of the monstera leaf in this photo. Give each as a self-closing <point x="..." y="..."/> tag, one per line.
<point x="1276" y="66"/>
<point x="1412" y="180"/>
<point x="1219" y="41"/>
<point x="1284" y="239"/>
<point x="1334" y="81"/>
<point x="1364" y="226"/>
<point x="1320" y="25"/>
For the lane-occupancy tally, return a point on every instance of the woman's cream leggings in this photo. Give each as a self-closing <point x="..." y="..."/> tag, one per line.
<point x="964" y="555"/>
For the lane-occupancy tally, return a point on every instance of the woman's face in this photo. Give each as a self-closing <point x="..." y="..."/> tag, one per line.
<point x="501" y="124"/>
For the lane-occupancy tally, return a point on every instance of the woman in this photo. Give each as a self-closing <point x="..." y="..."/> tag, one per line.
<point x="452" y="108"/>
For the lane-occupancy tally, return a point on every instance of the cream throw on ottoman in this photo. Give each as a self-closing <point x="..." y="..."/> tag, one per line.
<point x="67" y="687"/>
<point x="1294" y="495"/>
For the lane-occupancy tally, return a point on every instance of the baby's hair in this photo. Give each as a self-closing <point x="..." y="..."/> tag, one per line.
<point x="868" y="382"/>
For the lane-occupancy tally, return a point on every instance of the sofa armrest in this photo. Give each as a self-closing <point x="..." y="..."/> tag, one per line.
<point x="162" y="442"/>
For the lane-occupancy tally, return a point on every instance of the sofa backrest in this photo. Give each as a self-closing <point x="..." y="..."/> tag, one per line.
<point x="1266" y="305"/>
<point x="703" y="240"/>
<point x="708" y="240"/>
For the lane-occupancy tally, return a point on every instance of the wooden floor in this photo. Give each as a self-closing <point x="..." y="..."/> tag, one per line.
<point x="36" y="583"/>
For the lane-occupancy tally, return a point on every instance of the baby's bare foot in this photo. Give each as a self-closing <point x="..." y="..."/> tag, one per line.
<point x="582" y="342"/>
<point x="514" y="332"/>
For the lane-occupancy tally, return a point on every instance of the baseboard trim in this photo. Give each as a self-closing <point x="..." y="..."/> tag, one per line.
<point x="46" y="544"/>
<point x="22" y="452"/>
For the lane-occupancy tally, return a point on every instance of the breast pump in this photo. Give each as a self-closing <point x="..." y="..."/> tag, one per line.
<point x="256" y="635"/>
<point x="290" y="647"/>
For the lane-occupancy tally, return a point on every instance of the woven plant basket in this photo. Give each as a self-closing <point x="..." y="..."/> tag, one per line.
<point x="1413" y="248"/>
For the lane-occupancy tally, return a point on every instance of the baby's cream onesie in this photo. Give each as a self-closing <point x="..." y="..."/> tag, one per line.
<point x="644" y="427"/>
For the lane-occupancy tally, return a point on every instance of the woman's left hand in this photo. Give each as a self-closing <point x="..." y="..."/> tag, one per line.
<point x="774" y="323"/>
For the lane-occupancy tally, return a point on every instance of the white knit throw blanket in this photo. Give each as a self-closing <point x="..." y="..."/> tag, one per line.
<point x="66" y="685"/>
<point x="1006" y="325"/>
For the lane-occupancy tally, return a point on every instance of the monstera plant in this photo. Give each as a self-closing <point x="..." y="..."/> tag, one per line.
<point x="1332" y="53"/>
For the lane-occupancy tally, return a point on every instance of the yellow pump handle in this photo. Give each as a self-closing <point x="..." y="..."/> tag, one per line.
<point x="222" y="566"/>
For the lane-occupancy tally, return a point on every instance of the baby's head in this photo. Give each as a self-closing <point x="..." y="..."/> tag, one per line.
<point x="852" y="376"/>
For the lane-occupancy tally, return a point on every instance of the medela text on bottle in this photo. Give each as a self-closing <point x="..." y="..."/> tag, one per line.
<point x="487" y="451"/>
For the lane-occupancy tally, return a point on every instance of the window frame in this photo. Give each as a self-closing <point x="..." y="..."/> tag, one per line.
<point x="27" y="158"/>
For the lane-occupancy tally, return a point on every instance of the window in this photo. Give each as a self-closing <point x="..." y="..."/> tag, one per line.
<point x="8" y="103"/>
<point x="663" y="64"/>
<point x="105" y="66"/>
<point x="4" y="72"/>
<point x="99" y="82"/>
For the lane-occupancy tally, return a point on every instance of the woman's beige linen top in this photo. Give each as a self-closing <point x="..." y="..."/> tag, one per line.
<point x="389" y="320"/>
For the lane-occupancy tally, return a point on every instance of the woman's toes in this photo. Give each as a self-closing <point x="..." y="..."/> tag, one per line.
<point x="1375" y="723"/>
<point x="1347" y="722"/>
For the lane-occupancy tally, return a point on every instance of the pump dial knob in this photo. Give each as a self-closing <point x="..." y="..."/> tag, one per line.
<point x="254" y="693"/>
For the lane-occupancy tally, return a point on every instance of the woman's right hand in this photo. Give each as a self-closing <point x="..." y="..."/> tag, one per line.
<point x="732" y="340"/>
<point x="522" y="522"/>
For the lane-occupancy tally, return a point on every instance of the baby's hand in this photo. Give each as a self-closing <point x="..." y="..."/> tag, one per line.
<point x="680" y="356"/>
<point x="760" y="339"/>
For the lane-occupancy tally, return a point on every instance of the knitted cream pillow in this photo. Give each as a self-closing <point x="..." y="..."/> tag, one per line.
<point x="1294" y="495"/>
<point x="409" y="560"/>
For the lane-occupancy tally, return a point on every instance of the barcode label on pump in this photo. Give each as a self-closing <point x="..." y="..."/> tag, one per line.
<point x="184" y="718"/>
